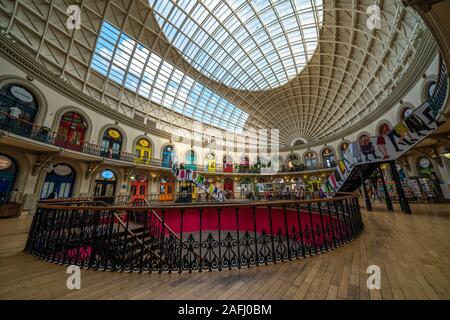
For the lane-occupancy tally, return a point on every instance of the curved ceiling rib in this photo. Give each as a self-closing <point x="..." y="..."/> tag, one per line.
<point x="352" y="71"/>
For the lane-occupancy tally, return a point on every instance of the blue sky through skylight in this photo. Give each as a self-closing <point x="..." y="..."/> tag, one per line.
<point x="246" y="45"/>
<point x="126" y="62"/>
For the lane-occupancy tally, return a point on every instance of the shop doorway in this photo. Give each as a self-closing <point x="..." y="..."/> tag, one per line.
<point x="166" y="187"/>
<point x="8" y="175"/>
<point x="111" y="144"/>
<point x="59" y="182"/>
<point x="105" y="186"/>
<point x="139" y="185"/>
<point x="71" y="131"/>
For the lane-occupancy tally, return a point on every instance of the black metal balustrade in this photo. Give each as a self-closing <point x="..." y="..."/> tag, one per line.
<point x="190" y="238"/>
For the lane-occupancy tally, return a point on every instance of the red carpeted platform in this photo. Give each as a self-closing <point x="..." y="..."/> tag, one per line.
<point x="229" y="220"/>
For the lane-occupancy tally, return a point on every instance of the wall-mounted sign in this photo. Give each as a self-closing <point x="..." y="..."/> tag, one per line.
<point x="114" y="133"/>
<point x="5" y="163"/>
<point x="140" y="177"/>
<point x="21" y="94"/>
<point x="62" y="170"/>
<point x="107" y="174"/>
<point x="143" y="143"/>
<point x="313" y="178"/>
<point x="424" y="163"/>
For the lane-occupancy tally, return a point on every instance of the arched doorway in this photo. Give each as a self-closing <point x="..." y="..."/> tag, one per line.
<point x="293" y="162"/>
<point x="343" y="148"/>
<point x="278" y="185"/>
<point x="189" y="162"/>
<point x="18" y="109"/>
<point x="111" y="144"/>
<point x="211" y="162"/>
<point x="227" y="163"/>
<point x="406" y="112"/>
<point x="228" y="187"/>
<point x="105" y="186"/>
<point x="59" y="182"/>
<point x="139" y="185"/>
<point x="328" y="158"/>
<point x="166" y="187"/>
<point x="71" y="131"/>
<point x="167" y="157"/>
<point x="310" y="160"/>
<point x="244" y="164"/>
<point x="143" y="151"/>
<point x="428" y="180"/>
<point x="8" y="176"/>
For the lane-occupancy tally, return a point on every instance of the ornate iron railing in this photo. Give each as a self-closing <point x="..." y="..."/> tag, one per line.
<point x="191" y="237"/>
<point x="45" y="135"/>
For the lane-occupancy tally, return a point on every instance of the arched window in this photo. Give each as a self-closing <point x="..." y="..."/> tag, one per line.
<point x="167" y="156"/>
<point x="310" y="160"/>
<point x="71" y="131"/>
<point x="227" y="163"/>
<point x="293" y="161"/>
<point x="228" y="187"/>
<point x="211" y="162"/>
<point x="384" y="129"/>
<point x="298" y="142"/>
<point x="143" y="151"/>
<point x="189" y="161"/>
<point x="8" y="176"/>
<point x="139" y="186"/>
<point x="111" y="144"/>
<point x="343" y="148"/>
<point x="244" y="164"/>
<point x="166" y="188"/>
<point x="105" y="185"/>
<point x="58" y="182"/>
<point x="406" y="112"/>
<point x="328" y="158"/>
<point x="18" y="108"/>
<point x="430" y="90"/>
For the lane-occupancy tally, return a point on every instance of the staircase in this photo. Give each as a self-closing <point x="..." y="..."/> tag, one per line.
<point x="362" y="157"/>
<point x="185" y="174"/>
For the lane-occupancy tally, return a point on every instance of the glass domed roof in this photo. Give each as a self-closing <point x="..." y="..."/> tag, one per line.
<point x="246" y="45"/>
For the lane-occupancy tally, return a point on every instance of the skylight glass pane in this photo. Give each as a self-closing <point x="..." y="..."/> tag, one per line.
<point x="223" y="33"/>
<point x="132" y="65"/>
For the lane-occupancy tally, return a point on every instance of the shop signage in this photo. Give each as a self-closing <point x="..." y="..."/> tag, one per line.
<point x="21" y="94"/>
<point x="114" y="134"/>
<point x="143" y="143"/>
<point x="107" y="174"/>
<point x="5" y="163"/>
<point x="424" y="163"/>
<point x="62" y="170"/>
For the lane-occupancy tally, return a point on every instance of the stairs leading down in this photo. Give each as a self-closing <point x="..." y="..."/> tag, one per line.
<point x="362" y="157"/>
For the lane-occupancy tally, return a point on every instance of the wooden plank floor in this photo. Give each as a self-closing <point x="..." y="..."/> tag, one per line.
<point x="413" y="252"/>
